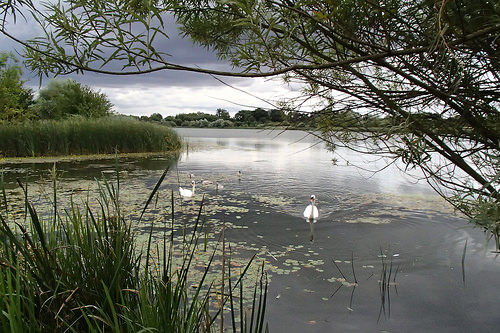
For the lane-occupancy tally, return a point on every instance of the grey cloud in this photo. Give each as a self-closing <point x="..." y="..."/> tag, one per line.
<point x="181" y="49"/>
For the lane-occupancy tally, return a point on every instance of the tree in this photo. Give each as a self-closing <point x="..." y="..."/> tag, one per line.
<point x="222" y="114"/>
<point x="417" y="63"/>
<point x="195" y="116"/>
<point x="14" y="98"/>
<point x="276" y="115"/>
<point x="156" y="117"/>
<point x="63" y="98"/>
<point x="221" y="123"/>
<point x="261" y="115"/>
<point x="414" y="63"/>
<point x="245" y="116"/>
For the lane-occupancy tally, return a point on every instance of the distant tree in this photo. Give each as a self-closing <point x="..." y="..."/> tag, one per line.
<point x="276" y="115"/>
<point x="64" y="98"/>
<point x="156" y="117"/>
<point x="295" y="116"/>
<point x="222" y="114"/>
<point x="204" y="123"/>
<point x="261" y="115"/>
<point x="14" y="98"/>
<point x="244" y="116"/>
<point x="221" y="123"/>
<point x="195" y="116"/>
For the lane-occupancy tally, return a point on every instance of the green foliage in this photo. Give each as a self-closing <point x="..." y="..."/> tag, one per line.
<point x="221" y="123"/>
<point x="156" y="117"/>
<point x="61" y="99"/>
<point x="222" y="114"/>
<point x="261" y="115"/>
<point x="80" y="136"/>
<point x="276" y="115"/>
<point x="81" y="270"/>
<point x="195" y="116"/>
<point x="14" y="98"/>
<point x="245" y="116"/>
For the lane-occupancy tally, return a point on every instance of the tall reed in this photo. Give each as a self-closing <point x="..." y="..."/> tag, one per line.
<point x="81" y="136"/>
<point x="82" y="271"/>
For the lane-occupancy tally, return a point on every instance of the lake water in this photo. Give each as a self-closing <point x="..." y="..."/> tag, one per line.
<point x="385" y="255"/>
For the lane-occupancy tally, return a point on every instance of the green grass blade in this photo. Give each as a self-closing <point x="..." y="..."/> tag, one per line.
<point x="4" y="195"/>
<point x="151" y="196"/>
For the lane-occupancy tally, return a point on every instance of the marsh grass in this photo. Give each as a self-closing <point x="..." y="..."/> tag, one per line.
<point x="80" y="136"/>
<point x="81" y="270"/>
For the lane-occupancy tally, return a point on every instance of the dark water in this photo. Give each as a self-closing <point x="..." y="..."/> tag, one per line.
<point x="326" y="276"/>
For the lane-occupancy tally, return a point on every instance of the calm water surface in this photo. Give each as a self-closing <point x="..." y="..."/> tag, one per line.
<point x="368" y="222"/>
<point x="326" y="276"/>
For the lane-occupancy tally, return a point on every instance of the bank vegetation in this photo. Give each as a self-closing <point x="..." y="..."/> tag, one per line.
<point x="85" y="136"/>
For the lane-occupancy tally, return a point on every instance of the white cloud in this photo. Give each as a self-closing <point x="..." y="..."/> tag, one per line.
<point x="170" y="100"/>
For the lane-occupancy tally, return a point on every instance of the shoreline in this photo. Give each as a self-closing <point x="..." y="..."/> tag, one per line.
<point x="73" y="158"/>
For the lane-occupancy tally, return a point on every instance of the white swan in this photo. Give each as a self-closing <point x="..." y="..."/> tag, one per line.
<point x="187" y="193"/>
<point x="218" y="186"/>
<point x="311" y="212"/>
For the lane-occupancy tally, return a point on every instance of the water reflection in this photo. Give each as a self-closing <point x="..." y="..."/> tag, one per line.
<point x="311" y="228"/>
<point x="360" y="213"/>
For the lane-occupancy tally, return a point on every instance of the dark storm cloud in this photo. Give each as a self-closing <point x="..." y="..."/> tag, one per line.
<point x="167" y="92"/>
<point x="180" y="50"/>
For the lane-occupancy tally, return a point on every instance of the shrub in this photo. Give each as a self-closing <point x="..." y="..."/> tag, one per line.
<point x="64" y="98"/>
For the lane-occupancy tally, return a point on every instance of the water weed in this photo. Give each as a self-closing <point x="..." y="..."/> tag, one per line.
<point x="82" y="270"/>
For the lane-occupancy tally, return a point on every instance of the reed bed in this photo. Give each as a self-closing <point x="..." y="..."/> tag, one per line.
<point x="81" y="136"/>
<point x="82" y="271"/>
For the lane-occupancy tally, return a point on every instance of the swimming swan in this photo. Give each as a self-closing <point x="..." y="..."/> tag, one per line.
<point x="311" y="212"/>
<point x="187" y="193"/>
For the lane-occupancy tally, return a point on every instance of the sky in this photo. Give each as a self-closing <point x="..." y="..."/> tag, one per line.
<point x="170" y="92"/>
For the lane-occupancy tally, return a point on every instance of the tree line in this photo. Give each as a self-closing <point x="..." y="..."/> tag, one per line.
<point x="348" y="120"/>
<point x="244" y="118"/>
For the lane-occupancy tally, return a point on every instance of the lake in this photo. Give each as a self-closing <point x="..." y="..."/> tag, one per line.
<point x="385" y="255"/>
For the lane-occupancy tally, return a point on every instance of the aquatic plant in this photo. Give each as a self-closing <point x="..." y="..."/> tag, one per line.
<point x="386" y="279"/>
<point x="83" y="270"/>
<point x="80" y="136"/>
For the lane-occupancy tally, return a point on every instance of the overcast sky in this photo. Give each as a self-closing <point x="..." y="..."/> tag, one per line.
<point x="170" y="92"/>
